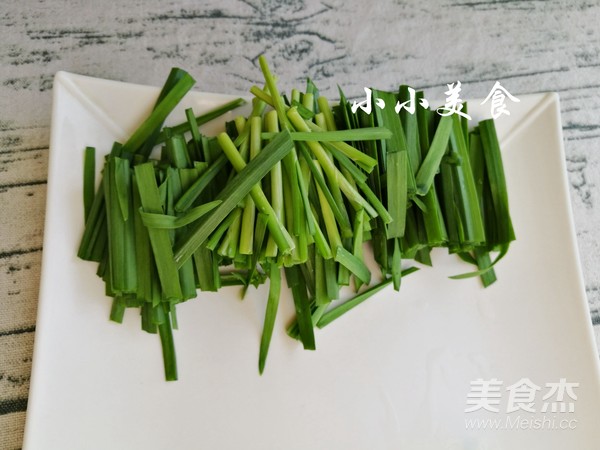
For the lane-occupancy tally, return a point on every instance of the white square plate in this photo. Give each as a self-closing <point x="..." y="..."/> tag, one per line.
<point x="393" y="374"/>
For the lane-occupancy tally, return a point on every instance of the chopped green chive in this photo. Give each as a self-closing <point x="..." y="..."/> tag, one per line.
<point x="240" y="186"/>
<point x="236" y="208"/>
<point x="89" y="178"/>
<point x="270" y="314"/>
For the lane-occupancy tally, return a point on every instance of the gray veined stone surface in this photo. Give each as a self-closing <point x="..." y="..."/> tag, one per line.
<point x="530" y="46"/>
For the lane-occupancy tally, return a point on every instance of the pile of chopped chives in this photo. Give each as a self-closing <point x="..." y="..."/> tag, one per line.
<point x="298" y="185"/>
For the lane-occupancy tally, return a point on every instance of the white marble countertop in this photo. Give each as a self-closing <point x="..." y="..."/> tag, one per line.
<point x="529" y="46"/>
